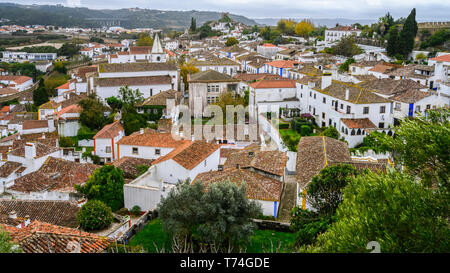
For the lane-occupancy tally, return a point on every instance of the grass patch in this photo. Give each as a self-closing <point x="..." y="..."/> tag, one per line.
<point x="290" y="138"/>
<point x="153" y="233"/>
<point x="261" y="239"/>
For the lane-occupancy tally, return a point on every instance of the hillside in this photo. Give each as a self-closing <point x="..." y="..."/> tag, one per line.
<point x="129" y="18"/>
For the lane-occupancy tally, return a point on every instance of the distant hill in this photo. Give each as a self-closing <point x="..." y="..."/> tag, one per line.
<point x="129" y="18"/>
<point x="329" y="22"/>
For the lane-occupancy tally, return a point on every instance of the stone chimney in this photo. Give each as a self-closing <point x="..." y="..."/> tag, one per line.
<point x="30" y="150"/>
<point x="51" y="125"/>
<point x="326" y="80"/>
<point x="347" y="94"/>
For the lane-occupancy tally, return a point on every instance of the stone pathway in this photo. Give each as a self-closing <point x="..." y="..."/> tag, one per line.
<point x="288" y="197"/>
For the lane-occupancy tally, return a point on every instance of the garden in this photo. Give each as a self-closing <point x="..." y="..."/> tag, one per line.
<point x="298" y="127"/>
<point x="153" y="239"/>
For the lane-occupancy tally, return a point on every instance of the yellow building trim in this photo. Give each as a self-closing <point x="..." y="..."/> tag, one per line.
<point x="324" y="151"/>
<point x="304" y="199"/>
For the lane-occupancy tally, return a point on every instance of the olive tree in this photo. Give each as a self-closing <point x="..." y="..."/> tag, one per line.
<point x="219" y="215"/>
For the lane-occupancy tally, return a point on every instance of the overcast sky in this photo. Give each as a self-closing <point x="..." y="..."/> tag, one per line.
<point x="435" y="10"/>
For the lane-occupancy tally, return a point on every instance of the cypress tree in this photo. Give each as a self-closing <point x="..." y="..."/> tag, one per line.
<point x="193" y="24"/>
<point x="392" y="45"/>
<point x="408" y="34"/>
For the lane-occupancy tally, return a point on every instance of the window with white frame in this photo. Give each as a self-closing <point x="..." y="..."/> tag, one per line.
<point x="108" y="149"/>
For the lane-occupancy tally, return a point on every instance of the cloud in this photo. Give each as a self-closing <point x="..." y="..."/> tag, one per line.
<point x="351" y="9"/>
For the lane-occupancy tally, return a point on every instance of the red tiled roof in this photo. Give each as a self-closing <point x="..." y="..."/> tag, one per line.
<point x="55" y="175"/>
<point x="74" y="108"/>
<point x="442" y="58"/>
<point x="16" y="79"/>
<point x="190" y="154"/>
<point x="274" y="84"/>
<point x="258" y="186"/>
<point x="64" y="86"/>
<point x="152" y="138"/>
<point x="5" y="109"/>
<point x="140" y="50"/>
<point x="355" y="123"/>
<point x="282" y="63"/>
<point x="269" y="45"/>
<point x="40" y="237"/>
<point x="110" y="131"/>
<point x="34" y="124"/>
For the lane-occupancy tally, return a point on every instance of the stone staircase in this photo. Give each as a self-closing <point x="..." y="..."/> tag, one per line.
<point x="288" y="197"/>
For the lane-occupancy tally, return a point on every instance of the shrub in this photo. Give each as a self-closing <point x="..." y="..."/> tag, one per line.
<point x="123" y="212"/>
<point x="66" y="142"/>
<point x="136" y="210"/>
<point x="105" y="184"/>
<point x="283" y="126"/>
<point x="94" y="215"/>
<point x="305" y="130"/>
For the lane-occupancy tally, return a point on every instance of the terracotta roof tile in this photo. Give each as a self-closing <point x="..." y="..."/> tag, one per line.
<point x="133" y="81"/>
<point x="60" y="213"/>
<point x="151" y="138"/>
<point x="54" y="175"/>
<point x="358" y="123"/>
<point x="258" y="187"/>
<point x="315" y="153"/>
<point x="40" y="237"/>
<point x="442" y="58"/>
<point x="16" y="79"/>
<point x="129" y="165"/>
<point x="273" y="84"/>
<point x="272" y="162"/>
<point x="110" y="130"/>
<point x="190" y="154"/>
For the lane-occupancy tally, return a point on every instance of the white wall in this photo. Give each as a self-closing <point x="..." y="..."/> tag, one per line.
<point x="109" y="91"/>
<point x="145" y="152"/>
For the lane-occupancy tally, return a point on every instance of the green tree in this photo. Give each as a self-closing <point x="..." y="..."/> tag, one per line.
<point x="347" y="47"/>
<point x="94" y="215"/>
<point x="92" y="113"/>
<point x="422" y="145"/>
<point x="391" y="209"/>
<point x="325" y="189"/>
<point x="40" y="95"/>
<point x="68" y="49"/>
<point x="392" y="46"/>
<point x="6" y="244"/>
<point x="231" y="41"/>
<point x="114" y="103"/>
<point x="131" y="119"/>
<point x="129" y="97"/>
<point x="408" y="34"/>
<point x="346" y="65"/>
<point x="438" y="38"/>
<point x="144" y="40"/>
<point x="66" y="142"/>
<point x="105" y="184"/>
<point x="331" y="132"/>
<point x="308" y="225"/>
<point x="193" y="26"/>
<point x="220" y="216"/>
